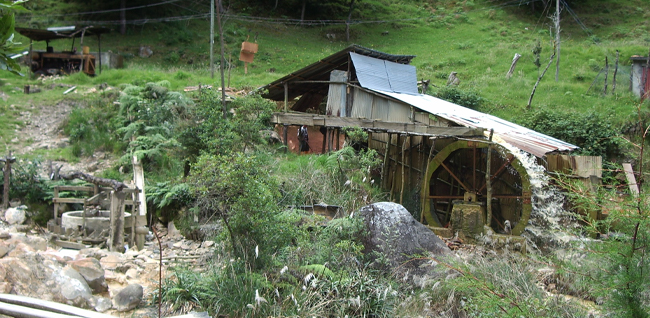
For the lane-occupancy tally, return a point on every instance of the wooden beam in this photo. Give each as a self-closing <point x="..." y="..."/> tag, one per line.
<point x="631" y="180"/>
<point x="371" y="124"/>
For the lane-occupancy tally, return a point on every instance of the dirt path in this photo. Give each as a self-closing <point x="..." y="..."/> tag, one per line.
<point x="43" y="129"/>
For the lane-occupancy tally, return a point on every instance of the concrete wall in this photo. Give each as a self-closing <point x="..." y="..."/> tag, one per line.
<point x="109" y="60"/>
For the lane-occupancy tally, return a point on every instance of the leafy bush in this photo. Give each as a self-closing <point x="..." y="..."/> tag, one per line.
<point x="26" y="183"/>
<point x="93" y="128"/>
<point x="239" y="190"/>
<point x="592" y="132"/>
<point x="454" y="95"/>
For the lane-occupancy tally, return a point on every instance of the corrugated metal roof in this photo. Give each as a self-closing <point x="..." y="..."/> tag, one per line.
<point x="320" y="71"/>
<point x="384" y="75"/>
<point x="521" y="137"/>
<point x="47" y="35"/>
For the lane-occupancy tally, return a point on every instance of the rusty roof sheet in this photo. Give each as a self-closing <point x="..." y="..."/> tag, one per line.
<point x="521" y="137"/>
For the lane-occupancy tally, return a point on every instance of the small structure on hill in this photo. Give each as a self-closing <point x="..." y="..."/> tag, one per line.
<point x="75" y="59"/>
<point x="435" y="152"/>
<point x="640" y="76"/>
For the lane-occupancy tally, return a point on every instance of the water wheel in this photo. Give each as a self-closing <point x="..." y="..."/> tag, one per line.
<point x="460" y="170"/>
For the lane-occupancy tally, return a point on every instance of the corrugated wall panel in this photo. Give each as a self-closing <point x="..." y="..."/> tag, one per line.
<point x="398" y="112"/>
<point x="336" y="97"/>
<point x="362" y="105"/>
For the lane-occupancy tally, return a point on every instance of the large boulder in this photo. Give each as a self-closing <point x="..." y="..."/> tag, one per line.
<point x="16" y="215"/>
<point x="128" y="298"/>
<point x="409" y="249"/>
<point x="92" y="272"/>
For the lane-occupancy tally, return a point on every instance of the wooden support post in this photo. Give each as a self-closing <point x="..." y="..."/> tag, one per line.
<point x="324" y="139"/>
<point x="384" y="170"/>
<point x="606" y="73"/>
<point x="615" y="71"/>
<point x="56" y="205"/>
<point x="631" y="180"/>
<point x="286" y="135"/>
<point x="8" y="160"/>
<point x="141" y="218"/>
<point x="488" y="182"/>
<point x="425" y="173"/>
<point x="401" y="194"/>
<point x="116" y="238"/>
<point x="410" y="161"/>
<point x="338" y="138"/>
<point x="330" y="134"/>
<point x="286" y="96"/>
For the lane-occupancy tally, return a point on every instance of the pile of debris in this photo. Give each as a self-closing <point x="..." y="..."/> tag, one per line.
<point x="32" y="265"/>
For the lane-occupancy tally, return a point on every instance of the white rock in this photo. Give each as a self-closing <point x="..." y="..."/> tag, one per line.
<point x="15" y="215"/>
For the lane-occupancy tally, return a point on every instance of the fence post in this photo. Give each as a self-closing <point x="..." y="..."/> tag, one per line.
<point x="8" y="160"/>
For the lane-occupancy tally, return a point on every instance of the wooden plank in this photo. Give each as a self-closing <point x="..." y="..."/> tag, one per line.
<point x="68" y="200"/>
<point x="631" y="180"/>
<point x="376" y="125"/>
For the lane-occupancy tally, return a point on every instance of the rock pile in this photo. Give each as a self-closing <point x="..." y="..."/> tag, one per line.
<point x="92" y="278"/>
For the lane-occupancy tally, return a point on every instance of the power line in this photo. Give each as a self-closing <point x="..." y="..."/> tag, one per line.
<point x="113" y="10"/>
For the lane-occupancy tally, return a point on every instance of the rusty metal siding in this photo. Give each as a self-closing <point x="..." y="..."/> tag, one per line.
<point x="521" y="137"/>
<point x="336" y="97"/>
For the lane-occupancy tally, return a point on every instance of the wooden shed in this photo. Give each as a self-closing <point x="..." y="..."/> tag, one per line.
<point x="435" y="152"/>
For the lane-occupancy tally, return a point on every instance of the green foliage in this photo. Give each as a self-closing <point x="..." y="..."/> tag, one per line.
<point x="592" y="132"/>
<point x="93" y="128"/>
<point x="498" y="286"/>
<point x="7" y="44"/>
<point x="167" y="198"/>
<point x="344" y="178"/>
<point x="212" y="133"/>
<point x="26" y="183"/>
<point x="239" y="189"/>
<point x="454" y="95"/>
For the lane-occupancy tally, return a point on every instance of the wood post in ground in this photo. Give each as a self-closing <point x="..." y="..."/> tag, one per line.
<point x="116" y="237"/>
<point x="384" y="171"/>
<point x="513" y="65"/>
<point x="286" y="135"/>
<point x="8" y="160"/>
<point x="631" y="180"/>
<point x="615" y="71"/>
<point x="550" y="60"/>
<point x="140" y="219"/>
<point x="606" y="73"/>
<point x="401" y="194"/>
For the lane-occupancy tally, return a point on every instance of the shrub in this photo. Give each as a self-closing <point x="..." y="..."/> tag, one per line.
<point x="454" y="95"/>
<point x="592" y="132"/>
<point x="239" y="190"/>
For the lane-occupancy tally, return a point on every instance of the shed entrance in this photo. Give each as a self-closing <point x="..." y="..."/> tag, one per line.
<point x="460" y="172"/>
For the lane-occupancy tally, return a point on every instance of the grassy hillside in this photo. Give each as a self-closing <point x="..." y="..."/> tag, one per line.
<point x="476" y="39"/>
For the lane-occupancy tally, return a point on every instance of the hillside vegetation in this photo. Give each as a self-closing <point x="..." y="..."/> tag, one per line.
<point x="205" y="166"/>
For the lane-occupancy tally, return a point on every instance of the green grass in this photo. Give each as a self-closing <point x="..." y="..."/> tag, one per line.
<point x="476" y="39"/>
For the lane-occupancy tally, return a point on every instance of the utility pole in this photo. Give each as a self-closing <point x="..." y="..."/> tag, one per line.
<point x="221" y="63"/>
<point x="212" y="37"/>
<point x="557" y="40"/>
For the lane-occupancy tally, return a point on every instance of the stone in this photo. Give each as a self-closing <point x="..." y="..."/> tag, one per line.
<point x="112" y="260"/>
<point x="91" y="270"/>
<point x="468" y="218"/>
<point x="15" y="216"/>
<point x="5" y="288"/>
<point x="20" y="249"/>
<point x="404" y="242"/>
<point x="102" y="304"/>
<point x="128" y="298"/>
<point x="5" y="248"/>
<point x="145" y="51"/>
<point x="207" y="244"/>
<point x="132" y="273"/>
<point x="72" y="286"/>
<point x="35" y="242"/>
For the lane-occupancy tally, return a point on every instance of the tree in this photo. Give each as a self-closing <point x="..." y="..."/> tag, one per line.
<point x="7" y="45"/>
